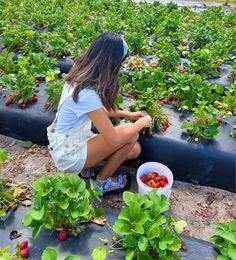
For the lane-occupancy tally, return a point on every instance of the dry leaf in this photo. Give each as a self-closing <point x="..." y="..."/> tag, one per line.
<point x="26" y="203"/>
<point x="99" y="220"/>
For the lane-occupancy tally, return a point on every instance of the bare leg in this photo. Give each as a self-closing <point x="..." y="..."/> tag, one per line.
<point x="98" y="149"/>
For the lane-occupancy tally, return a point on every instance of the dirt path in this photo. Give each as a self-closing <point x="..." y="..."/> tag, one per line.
<point x="199" y="206"/>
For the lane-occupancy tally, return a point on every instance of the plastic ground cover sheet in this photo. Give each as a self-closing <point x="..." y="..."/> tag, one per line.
<point x="203" y="163"/>
<point x="86" y="241"/>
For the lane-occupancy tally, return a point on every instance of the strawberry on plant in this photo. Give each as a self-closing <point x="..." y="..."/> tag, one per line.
<point x="165" y="101"/>
<point x="19" y="104"/>
<point x="24" y="244"/>
<point x="9" y="101"/>
<point x="62" y="236"/>
<point x="24" y="252"/>
<point x="23" y="106"/>
<point x="149" y="133"/>
<point x="37" y="82"/>
<point x="35" y="98"/>
<point x="219" y="120"/>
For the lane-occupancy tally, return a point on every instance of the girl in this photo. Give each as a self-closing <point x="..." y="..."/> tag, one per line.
<point x="89" y="96"/>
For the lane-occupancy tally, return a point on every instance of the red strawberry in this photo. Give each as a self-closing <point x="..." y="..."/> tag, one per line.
<point x="165" y="101"/>
<point x="173" y="99"/>
<point x="24" y="244"/>
<point x="23" y="106"/>
<point x="24" y="252"/>
<point x="164" y="178"/>
<point x="142" y="179"/>
<point x="156" y="179"/>
<point x="19" y="104"/>
<point x="148" y="177"/>
<point x="162" y="184"/>
<point x="35" y="98"/>
<point x="166" y="123"/>
<point x="219" y="120"/>
<point x="37" y="82"/>
<point x="9" y="101"/>
<point x="151" y="184"/>
<point x="154" y="174"/>
<point x="158" y="185"/>
<point x="149" y="133"/>
<point x="62" y="236"/>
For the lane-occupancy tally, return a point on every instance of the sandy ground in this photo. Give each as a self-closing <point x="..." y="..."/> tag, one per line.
<point x="199" y="206"/>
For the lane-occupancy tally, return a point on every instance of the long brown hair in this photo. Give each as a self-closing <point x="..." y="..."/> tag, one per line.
<point x="98" y="68"/>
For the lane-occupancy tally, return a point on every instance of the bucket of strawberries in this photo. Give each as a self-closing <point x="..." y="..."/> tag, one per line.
<point x="153" y="175"/>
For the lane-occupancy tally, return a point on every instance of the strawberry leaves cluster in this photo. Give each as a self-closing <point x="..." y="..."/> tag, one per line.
<point x="145" y="231"/>
<point x="61" y="202"/>
<point x="225" y="239"/>
<point x="23" y="77"/>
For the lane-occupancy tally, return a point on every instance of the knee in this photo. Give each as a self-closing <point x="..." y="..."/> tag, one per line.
<point x="134" y="138"/>
<point x="137" y="150"/>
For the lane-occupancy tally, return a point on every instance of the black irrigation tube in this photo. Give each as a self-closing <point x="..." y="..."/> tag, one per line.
<point x="210" y="163"/>
<point x="86" y="241"/>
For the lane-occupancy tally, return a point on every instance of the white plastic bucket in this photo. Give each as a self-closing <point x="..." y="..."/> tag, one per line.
<point x="161" y="169"/>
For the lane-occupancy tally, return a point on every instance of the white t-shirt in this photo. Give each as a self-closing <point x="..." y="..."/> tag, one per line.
<point x="73" y="113"/>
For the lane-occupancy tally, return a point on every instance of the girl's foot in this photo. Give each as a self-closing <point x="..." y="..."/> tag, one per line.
<point x="113" y="185"/>
<point x="89" y="173"/>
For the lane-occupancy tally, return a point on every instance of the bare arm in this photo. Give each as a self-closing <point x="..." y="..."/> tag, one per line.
<point x="103" y="124"/>
<point x="125" y="114"/>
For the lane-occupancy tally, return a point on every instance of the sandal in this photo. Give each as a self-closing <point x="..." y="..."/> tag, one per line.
<point x="105" y="185"/>
<point x="89" y="174"/>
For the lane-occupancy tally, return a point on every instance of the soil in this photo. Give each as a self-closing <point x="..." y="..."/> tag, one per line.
<point x="199" y="206"/>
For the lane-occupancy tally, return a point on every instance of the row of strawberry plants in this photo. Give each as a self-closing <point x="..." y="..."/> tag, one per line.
<point x="70" y="29"/>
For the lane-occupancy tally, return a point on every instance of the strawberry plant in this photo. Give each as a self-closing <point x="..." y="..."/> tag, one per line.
<point x="203" y="123"/>
<point x="225" y="239"/>
<point x="167" y="55"/>
<point x="54" y="94"/>
<point x="144" y="229"/>
<point x="61" y="202"/>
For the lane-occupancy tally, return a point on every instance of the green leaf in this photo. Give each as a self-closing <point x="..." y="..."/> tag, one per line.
<point x="128" y="197"/>
<point x="27" y="144"/>
<point x="129" y="254"/>
<point x="153" y="231"/>
<point x="232" y="225"/>
<point x="139" y="228"/>
<point x="71" y="257"/>
<point x="134" y="209"/>
<point x="3" y="212"/>
<point x="37" y="230"/>
<point x="99" y="253"/>
<point x="49" y="254"/>
<point x="37" y="214"/>
<point x="179" y="226"/>
<point x="143" y="256"/>
<point x="130" y="241"/>
<point x="27" y="220"/>
<point x="142" y="243"/>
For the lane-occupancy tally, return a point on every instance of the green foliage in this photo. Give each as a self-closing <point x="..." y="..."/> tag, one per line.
<point x="7" y="198"/>
<point x="203" y="123"/>
<point x="54" y="94"/>
<point x="167" y="55"/>
<point x="61" y="202"/>
<point x="99" y="253"/>
<point x="148" y="233"/>
<point x="50" y="253"/>
<point x="5" y="254"/>
<point x="225" y="239"/>
<point x="4" y="156"/>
